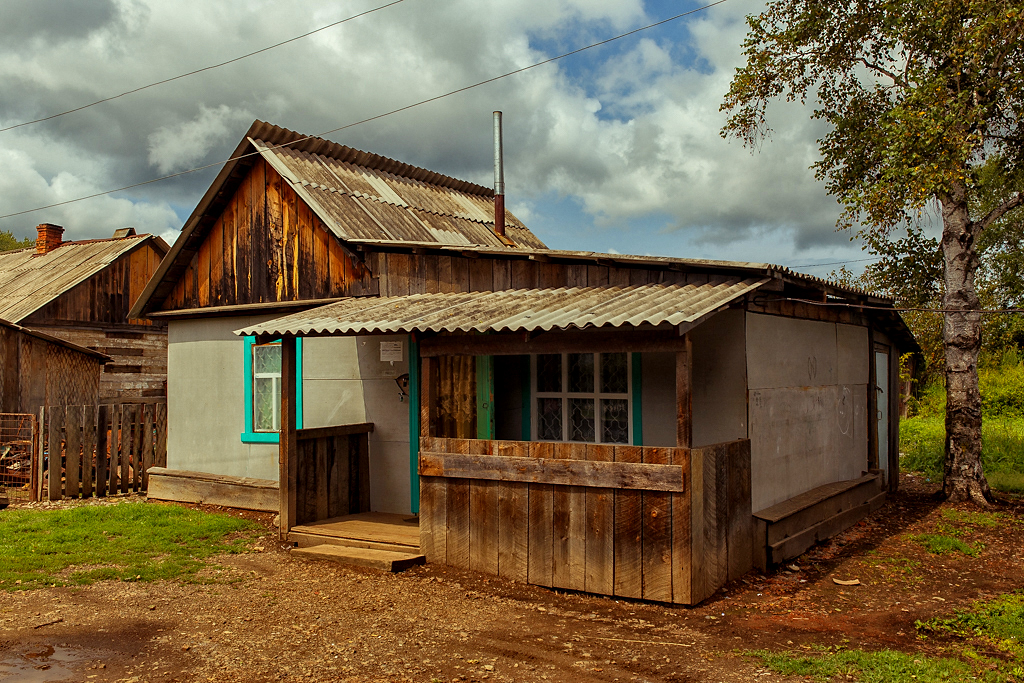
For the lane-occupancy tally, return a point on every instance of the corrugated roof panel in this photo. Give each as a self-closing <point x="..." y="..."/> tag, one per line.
<point x="399" y="220"/>
<point x="516" y="310"/>
<point x="29" y="282"/>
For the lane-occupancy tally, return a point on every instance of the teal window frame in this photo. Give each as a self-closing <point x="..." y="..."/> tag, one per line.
<point x="250" y="435"/>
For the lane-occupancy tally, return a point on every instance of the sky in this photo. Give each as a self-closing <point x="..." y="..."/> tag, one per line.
<point x="616" y="149"/>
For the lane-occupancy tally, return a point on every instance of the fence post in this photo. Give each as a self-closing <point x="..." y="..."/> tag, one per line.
<point x="38" y="444"/>
<point x="54" y="454"/>
<point x="147" y="445"/>
<point x="101" y="450"/>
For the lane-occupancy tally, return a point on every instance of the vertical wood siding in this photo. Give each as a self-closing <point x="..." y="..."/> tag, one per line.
<point x="267" y="245"/>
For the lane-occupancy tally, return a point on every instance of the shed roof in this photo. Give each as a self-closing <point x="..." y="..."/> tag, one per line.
<point x="101" y="357"/>
<point x="516" y="310"/>
<point x="29" y="281"/>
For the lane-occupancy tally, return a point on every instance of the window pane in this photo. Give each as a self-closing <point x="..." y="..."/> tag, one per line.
<point x="581" y="419"/>
<point x="614" y="378"/>
<point x="615" y="420"/>
<point x="266" y="359"/>
<point x="265" y="401"/>
<point x="549" y="372"/>
<point x="549" y="419"/>
<point x="581" y="373"/>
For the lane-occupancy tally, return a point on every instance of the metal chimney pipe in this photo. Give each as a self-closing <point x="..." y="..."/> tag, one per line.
<point x="499" y="179"/>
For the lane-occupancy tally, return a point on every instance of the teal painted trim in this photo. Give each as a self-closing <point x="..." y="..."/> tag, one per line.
<point x="250" y="436"/>
<point x="527" y="399"/>
<point x="485" y="397"/>
<point x="414" y="426"/>
<point x="638" y="407"/>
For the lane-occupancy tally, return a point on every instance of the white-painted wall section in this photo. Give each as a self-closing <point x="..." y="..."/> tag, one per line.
<point x="344" y="382"/>
<point x="807" y="383"/>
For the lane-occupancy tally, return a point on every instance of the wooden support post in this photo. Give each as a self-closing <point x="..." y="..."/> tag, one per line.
<point x="289" y="442"/>
<point x="55" y="488"/>
<point x="88" y="448"/>
<point x="147" y="445"/>
<point x="682" y="523"/>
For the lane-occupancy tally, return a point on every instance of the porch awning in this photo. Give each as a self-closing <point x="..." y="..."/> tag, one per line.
<point x="516" y="310"/>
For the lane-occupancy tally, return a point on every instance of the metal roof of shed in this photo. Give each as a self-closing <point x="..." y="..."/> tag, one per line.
<point x="101" y="357"/>
<point x="515" y="310"/>
<point x="29" y="281"/>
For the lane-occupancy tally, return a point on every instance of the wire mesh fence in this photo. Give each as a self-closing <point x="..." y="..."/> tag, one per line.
<point x="18" y="473"/>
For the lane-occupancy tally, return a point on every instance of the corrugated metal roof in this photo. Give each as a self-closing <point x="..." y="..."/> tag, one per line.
<point x="516" y="310"/>
<point x="376" y="200"/>
<point x="29" y="282"/>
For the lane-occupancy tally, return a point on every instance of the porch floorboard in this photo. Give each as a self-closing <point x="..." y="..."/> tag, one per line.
<point x="372" y="527"/>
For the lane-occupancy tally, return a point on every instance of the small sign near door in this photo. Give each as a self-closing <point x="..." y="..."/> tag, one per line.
<point x="391" y="351"/>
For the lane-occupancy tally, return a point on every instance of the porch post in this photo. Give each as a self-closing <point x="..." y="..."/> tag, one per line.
<point x="684" y="395"/>
<point x="289" y="442"/>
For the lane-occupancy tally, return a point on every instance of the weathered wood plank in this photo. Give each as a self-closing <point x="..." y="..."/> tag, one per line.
<point x="577" y="525"/>
<point x="483" y="524"/>
<point x="628" y="532"/>
<point x="73" y="451"/>
<point x="458" y="511"/>
<point x="213" y="489"/>
<point x="127" y="421"/>
<point x="657" y="535"/>
<point x="740" y="520"/>
<point x="114" y="463"/>
<point x="600" y="543"/>
<point x="137" y="446"/>
<point x="160" y="455"/>
<point x="513" y="518"/>
<point x="433" y="509"/>
<point x="682" y="567"/>
<point x="698" y="574"/>
<point x="329" y="432"/>
<point x="288" y="445"/>
<point x="561" y="472"/>
<point x="541" y="517"/>
<point x="102" y="444"/>
<point x="147" y="444"/>
<point x="55" y="438"/>
<point x="88" y="449"/>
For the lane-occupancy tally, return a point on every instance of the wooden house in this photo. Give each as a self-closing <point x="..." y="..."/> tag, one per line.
<point x="81" y="292"/>
<point x="634" y="426"/>
<point x="37" y="369"/>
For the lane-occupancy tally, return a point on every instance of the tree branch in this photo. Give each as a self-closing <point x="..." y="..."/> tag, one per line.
<point x="872" y="66"/>
<point x="1001" y="210"/>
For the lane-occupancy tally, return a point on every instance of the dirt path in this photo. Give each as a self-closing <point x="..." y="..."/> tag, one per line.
<point x="267" y="617"/>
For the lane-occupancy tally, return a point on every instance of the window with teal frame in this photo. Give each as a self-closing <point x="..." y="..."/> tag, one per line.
<point x="260" y="374"/>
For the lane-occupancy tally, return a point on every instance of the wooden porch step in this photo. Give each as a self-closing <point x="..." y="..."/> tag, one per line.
<point x="303" y="539"/>
<point x="364" y="557"/>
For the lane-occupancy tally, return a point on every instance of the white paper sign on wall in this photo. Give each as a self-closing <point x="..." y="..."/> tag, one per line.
<point x="391" y="351"/>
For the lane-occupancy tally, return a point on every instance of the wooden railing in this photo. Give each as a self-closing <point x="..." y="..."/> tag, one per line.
<point x="99" y="450"/>
<point x="630" y="521"/>
<point x="333" y="477"/>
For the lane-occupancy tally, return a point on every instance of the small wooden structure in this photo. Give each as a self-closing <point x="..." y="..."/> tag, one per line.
<point x="38" y="369"/>
<point x="81" y="292"/>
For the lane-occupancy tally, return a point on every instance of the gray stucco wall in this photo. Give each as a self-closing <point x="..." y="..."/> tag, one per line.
<point x="344" y="382"/>
<point x="719" y="380"/>
<point x="808" y="384"/>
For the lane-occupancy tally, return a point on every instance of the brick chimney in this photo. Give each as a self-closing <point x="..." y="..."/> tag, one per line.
<point x="49" y="238"/>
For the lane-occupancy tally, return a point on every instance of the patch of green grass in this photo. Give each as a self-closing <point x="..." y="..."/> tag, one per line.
<point x="884" y="666"/>
<point x="997" y="623"/>
<point x="940" y="544"/>
<point x="128" y="541"/>
<point x="922" y="444"/>
<point x="989" y="520"/>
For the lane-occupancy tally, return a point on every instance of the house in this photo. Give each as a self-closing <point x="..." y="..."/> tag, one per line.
<point x="636" y="426"/>
<point x="81" y="292"/>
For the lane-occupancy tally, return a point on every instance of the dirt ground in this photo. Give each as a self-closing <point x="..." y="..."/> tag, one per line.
<point x="268" y="617"/>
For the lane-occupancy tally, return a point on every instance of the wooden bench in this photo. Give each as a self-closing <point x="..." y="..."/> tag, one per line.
<point x="785" y="530"/>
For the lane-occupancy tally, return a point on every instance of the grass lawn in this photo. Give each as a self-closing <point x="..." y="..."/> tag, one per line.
<point x="922" y="441"/>
<point x="127" y="541"/>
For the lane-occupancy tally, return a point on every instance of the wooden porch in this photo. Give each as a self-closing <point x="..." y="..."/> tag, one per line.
<point x="371" y="539"/>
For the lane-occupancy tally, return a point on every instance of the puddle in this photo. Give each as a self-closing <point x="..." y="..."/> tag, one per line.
<point x="41" y="663"/>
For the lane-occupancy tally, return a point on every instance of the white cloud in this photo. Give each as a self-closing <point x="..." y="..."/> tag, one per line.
<point x="628" y="134"/>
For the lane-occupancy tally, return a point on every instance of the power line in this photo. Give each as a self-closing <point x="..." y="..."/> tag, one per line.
<point x="372" y="118"/>
<point x="839" y="263"/>
<point x="846" y="304"/>
<point x="205" y="68"/>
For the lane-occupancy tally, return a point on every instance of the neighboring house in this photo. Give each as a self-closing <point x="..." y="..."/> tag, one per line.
<point x="37" y="369"/>
<point x="81" y="292"/>
<point x="638" y="426"/>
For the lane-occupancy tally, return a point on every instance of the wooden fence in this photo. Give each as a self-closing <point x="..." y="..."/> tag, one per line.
<point x="664" y="524"/>
<point x="99" y="450"/>
<point x="333" y="474"/>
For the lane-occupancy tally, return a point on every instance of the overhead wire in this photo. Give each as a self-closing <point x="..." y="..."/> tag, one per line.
<point x="205" y="68"/>
<point x="372" y="118"/>
<point x="845" y="304"/>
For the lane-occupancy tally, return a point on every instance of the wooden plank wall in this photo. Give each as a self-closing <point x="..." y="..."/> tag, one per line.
<point x="34" y="373"/>
<point x="600" y="540"/>
<point x="333" y="477"/>
<point x="399" y="274"/>
<point x="99" y="450"/>
<point x="267" y="245"/>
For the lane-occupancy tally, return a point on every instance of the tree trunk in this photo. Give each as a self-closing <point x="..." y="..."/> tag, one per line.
<point x="963" y="479"/>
